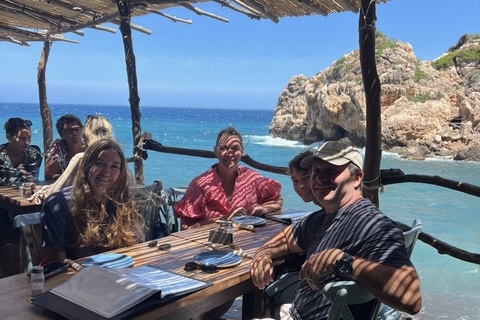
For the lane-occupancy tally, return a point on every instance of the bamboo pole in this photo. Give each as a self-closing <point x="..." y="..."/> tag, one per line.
<point x="134" y="99"/>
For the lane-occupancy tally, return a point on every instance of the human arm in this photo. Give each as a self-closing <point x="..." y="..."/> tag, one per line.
<point x="268" y="196"/>
<point x="267" y="207"/>
<point x="398" y="287"/>
<point x="29" y="171"/>
<point x="55" y="218"/>
<point x="52" y="169"/>
<point x="261" y="267"/>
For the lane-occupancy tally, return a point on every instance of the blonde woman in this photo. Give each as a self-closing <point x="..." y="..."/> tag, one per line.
<point x="96" y="127"/>
<point x="97" y="213"/>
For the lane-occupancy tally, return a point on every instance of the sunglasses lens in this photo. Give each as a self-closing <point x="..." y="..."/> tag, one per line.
<point x="152" y="243"/>
<point x="190" y="266"/>
<point x="165" y="247"/>
<point x="209" y="268"/>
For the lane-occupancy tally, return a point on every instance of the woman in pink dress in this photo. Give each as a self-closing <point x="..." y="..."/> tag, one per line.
<point x="227" y="189"/>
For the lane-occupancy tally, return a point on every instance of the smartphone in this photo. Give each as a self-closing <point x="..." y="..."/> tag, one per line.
<point x="52" y="268"/>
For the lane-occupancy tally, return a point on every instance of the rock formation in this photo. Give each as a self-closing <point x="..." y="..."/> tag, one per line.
<point x="428" y="108"/>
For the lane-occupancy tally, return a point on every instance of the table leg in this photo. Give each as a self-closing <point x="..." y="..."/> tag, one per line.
<point x="253" y="305"/>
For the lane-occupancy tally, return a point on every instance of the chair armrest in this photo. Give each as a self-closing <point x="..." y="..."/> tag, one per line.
<point x="356" y="293"/>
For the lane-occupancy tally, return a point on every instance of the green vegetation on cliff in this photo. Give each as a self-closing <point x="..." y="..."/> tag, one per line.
<point x="456" y="56"/>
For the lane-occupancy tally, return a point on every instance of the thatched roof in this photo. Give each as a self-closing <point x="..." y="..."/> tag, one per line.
<point x="22" y="21"/>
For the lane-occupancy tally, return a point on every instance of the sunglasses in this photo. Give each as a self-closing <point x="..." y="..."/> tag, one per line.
<point x="162" y="247"/>
<point x="13" y="124"/>
<point x="73" y="130"/>
<point x="207" y="268"/>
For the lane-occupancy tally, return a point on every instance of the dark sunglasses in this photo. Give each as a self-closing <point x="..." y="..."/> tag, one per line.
<point x="207" y="268"/>
<point x="162" y="247"/>
<point x="73" y="130"/>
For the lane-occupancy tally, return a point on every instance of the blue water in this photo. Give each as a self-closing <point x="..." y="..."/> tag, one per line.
<point x="450" y="287"/>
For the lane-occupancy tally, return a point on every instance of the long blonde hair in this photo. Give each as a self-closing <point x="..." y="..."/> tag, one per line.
<point x="113" y="223"/>
<point x="97" y="127"/>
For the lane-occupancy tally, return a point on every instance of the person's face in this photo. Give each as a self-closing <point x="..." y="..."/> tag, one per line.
<point x="333" y="186"/>
<point x="72" y="134"/>
<point x="104" y="173"/>
<point x="301" y="184"/>
<point x="229" y="151"/>
<point x="20" y="140"/>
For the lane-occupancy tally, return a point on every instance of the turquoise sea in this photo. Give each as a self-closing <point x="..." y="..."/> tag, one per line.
<point x="450" y="287"/>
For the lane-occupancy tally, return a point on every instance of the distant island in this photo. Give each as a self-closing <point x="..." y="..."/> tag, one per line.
<point x="429" y="108"/>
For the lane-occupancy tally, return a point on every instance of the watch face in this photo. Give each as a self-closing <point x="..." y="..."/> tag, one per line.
<point x="343" y="267"/>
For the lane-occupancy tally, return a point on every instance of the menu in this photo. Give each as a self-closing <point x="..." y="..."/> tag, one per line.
<point x="98" y="293"/>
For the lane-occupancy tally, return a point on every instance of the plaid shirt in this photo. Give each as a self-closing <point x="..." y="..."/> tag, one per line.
<point x="25" y="172"/>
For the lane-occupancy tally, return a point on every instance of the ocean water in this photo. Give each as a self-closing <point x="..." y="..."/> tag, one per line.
<point x="450" y="287"/>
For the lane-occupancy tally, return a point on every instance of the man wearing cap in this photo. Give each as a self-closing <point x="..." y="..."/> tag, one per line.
<point x="350" y="239"/>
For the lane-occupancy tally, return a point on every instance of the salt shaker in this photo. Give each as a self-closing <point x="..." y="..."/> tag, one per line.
<point x="38" y="281"/>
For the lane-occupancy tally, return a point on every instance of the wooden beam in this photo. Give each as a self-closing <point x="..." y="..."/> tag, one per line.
<point x="371" y="85"/>
<point x="202" y="12"/>
<point x="173" y="18"/>
<point x="124" y="11"/>
<point x="248" y="12"/>
<point x="45" y="113"/>
<point x="257" y="7"/>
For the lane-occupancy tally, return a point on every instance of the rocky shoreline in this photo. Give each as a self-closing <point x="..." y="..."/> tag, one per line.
<point x="429" y="109"/>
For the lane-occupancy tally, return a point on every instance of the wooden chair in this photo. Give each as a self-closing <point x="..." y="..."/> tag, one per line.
<point x="344" y="293"/>
<point x="28" y="220"/>
<point x="155" y="204"/>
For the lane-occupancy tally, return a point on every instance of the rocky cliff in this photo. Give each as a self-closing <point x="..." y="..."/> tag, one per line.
<point x="428" y="108"/>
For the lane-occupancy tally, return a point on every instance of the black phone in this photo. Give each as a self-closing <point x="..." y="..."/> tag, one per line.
<point x="52" y="268"/>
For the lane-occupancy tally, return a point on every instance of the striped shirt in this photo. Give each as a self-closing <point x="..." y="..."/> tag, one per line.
<point x="205" y="198"/>
<point x="361" y="230"/>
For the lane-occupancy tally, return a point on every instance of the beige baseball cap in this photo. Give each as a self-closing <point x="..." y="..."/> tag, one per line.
<point x="337" y="153"/>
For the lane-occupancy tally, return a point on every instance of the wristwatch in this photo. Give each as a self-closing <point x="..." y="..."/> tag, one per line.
<point x="343" y="267"/>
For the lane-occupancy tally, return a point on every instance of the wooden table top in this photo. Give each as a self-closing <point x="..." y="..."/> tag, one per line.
<point x="11" y="195"/>
<point x="228" y="283"/>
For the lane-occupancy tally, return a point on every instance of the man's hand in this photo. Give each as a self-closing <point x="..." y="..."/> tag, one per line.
<point x="319" y="265"/>
<point x="261" y="270"/>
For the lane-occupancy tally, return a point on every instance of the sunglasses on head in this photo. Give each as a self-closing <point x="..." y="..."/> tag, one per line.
<point x="207" y="268"/>
<point x="13" y="124"/>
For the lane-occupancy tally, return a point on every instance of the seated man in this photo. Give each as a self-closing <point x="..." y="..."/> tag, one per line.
<point x="350" y="239"/>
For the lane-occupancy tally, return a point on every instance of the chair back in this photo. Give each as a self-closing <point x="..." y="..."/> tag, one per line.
<point x="28" y="220"/>
<point x="411" y="236"/>
<point x="155" y="204"/>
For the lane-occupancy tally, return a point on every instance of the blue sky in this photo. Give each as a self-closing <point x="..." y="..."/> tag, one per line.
<point x="211" y="64"/>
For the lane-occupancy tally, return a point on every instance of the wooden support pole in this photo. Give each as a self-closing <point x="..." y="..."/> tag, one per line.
<point x="134" y="99"/>
<point x="45" y="112"/>
<point x="371" y="85"/>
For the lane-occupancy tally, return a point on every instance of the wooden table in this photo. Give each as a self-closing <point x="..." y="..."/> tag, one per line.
<point x="13" y="204"/>
<point x="228" y="283"/>
<point x="11" y="201"/>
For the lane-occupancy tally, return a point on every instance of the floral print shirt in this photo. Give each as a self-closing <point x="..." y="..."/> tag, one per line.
<point x="58" y="152"/>
<point x="25" y="172"/>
